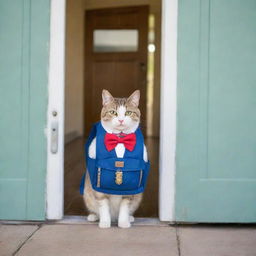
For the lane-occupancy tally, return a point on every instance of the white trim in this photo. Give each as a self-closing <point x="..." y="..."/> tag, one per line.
<point x="168" y="110"/>
<point x="55" y="162"/>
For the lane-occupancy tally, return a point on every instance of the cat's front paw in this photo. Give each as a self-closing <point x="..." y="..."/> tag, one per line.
<point x="104" y="224"/>
<point x="92" y="217"/>
<point x="131" y="218"/>
<point x="124" y="224"/>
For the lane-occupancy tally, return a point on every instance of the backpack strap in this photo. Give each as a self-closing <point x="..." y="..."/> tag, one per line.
<point x="92" y="135"/>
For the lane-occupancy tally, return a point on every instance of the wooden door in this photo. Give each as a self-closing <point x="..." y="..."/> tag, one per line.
<point x="24" y="37"/>
<point x="115" y="66"/>
<point x="216" y="151"/>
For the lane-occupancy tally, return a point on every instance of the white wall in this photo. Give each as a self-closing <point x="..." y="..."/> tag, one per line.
<point x="74" y="68"/>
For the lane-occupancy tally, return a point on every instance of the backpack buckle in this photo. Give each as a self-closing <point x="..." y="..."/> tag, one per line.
<point x="119" y="164"/>
<point x="119" y="177"/>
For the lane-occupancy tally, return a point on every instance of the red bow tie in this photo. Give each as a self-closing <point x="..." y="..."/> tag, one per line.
<point x="111" y="140"/>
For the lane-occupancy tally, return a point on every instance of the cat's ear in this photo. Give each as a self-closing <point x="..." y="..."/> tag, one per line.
<point x="134" y="98"/>
<point x="106" y="97"/>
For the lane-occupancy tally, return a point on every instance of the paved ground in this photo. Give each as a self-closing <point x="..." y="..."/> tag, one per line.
<point x="88" y="239"/>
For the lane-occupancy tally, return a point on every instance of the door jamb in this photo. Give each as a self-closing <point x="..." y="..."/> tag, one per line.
<point x="168" y="106"/>
<point x="55" y="162"/>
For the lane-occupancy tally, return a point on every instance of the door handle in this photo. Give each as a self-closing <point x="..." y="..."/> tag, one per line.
<point x="142" y="66"/>
<point x="54" y="137"/>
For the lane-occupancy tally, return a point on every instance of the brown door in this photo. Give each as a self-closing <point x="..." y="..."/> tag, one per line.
<point x="115" y="57"/>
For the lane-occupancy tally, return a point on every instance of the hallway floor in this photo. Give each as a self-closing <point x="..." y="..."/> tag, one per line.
<point x="162" y="240"/>
<point x="74" y="167"/>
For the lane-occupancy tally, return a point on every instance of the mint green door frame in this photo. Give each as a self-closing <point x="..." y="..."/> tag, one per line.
<point x="24" y="50"/>
<point x="216" y="135"/>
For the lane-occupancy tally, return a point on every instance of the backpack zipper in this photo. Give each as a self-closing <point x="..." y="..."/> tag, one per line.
<point x="98" y="177"/>
<point x="140" y="177"/>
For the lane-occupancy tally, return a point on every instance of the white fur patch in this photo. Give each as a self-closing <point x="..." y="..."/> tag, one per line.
<point x="92" y="149"/>
<point x="145" y="154"/>
<point x="128" y="124"/>
<point x="121" y="112"/>
<point x="120" y="149"/>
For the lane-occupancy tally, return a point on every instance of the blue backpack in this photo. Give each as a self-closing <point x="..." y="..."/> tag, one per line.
<point x="112" y="175"/>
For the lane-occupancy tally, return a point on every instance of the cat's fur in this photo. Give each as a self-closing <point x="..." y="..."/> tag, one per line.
<point x="105" y="207"/>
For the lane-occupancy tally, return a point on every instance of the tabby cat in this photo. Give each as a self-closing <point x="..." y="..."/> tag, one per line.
<point x="117" y="115"/>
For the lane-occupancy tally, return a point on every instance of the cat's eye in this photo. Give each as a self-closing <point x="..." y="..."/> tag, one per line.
<point x="128" y="113"/>
<point x="113" y="112"/>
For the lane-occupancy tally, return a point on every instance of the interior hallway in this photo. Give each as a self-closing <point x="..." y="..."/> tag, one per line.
<point x="75" y="166"/>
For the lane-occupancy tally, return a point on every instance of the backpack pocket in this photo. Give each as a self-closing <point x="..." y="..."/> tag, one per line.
<point x="118" y="179"/>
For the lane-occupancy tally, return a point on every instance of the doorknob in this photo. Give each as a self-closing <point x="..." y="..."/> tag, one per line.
<point x="54" y="137"/>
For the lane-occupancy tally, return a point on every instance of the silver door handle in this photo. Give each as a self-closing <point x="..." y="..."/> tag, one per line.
<point x="54" y="137"/>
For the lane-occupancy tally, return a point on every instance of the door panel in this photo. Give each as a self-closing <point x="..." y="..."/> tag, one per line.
<point x="216" y="178"/>
<point x="119" y="72"/>
<point x="126" y="75"/>
<point x="24" y="32"/>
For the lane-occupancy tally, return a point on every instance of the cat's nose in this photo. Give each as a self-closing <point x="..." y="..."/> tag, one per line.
<point x="121" y="121"/>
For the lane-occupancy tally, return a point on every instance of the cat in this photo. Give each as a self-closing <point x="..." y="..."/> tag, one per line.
<point x="117" y="115"/>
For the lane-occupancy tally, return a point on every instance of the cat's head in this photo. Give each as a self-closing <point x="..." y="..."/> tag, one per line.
<point x="120" y="114"/>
